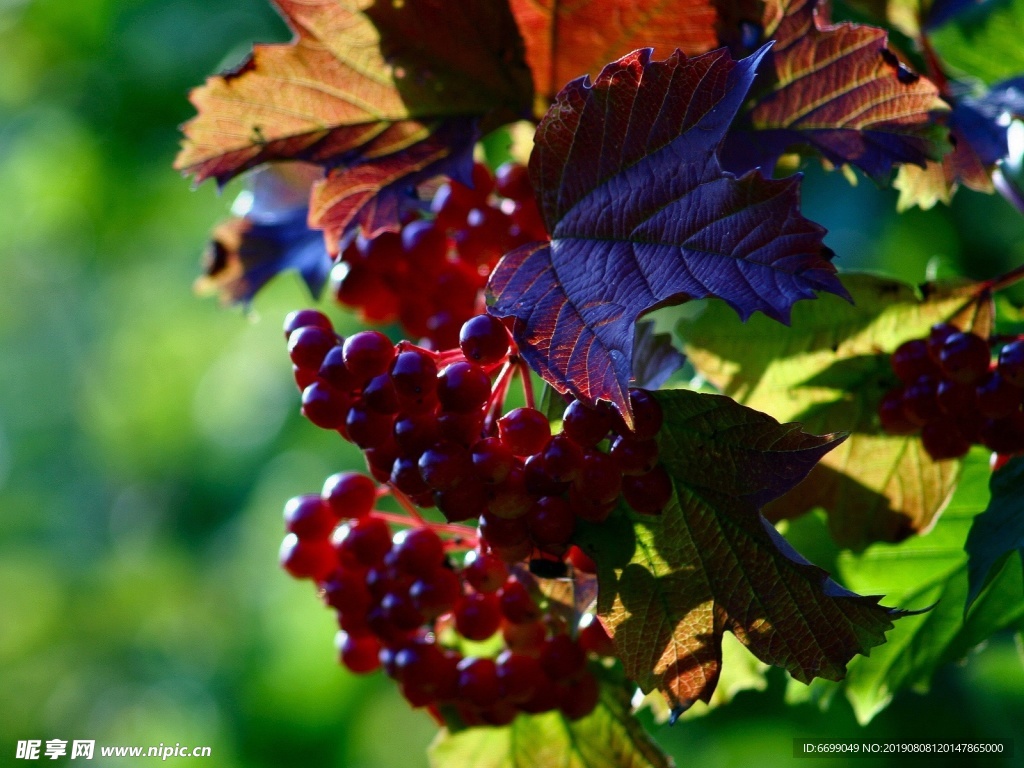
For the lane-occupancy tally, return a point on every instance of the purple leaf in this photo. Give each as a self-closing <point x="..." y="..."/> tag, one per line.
<point x="268" y="235"/>
<point x="654" y="357"/>
<point x="641" y="214"/>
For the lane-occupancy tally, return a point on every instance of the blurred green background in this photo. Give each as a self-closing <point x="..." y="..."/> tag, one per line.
<point x="148" y="439"/>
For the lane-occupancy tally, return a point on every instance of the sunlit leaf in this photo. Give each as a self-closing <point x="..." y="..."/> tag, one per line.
<point x="669" y="586"/>
<point x="567" y="40"/>
<point x="829" y="370"/>
<point x="641" y="214"/>
<point x="979" y="126"/>
<point x="838" y="90"/>
<point x="361" y="85"/>
<point x="925" y="571"/>
<point x="609" y="737"/>
<point x="999" y="531"/>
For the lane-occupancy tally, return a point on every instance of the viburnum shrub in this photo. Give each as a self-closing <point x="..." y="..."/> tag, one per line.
<point x="567" y="540"/>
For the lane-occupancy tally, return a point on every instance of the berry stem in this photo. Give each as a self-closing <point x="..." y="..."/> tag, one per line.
<point x="465" y="536"/>
<point x="498" y="392"/>
<point x="1003" y="281"/>
<point x="406" y="503"/>
<point x="524" y="373"/>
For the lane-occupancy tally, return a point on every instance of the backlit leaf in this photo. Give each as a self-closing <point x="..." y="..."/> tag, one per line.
<point x="979" y="126"/>
<point x="829" y="370"/>
<point x="669" y="586"/>
<point x="609" y="737"/>
<point x="999" y="531"/>
<point x="361" y="84"/>
<point x="929" y="570"/>
<point x="641" y="214"/>
<point x="838" y="90"/>
<point x="567" y="40"/>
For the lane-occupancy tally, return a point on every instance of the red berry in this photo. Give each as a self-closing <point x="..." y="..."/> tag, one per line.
<point x="309" y="345"/>
<point x="484" y="340"/>
<point x="524" y="431"/>
<point x="964" y="357"/>
<point x="584" y="425"/>
<point x="324" y="406"/>
<point x="349" y="494"/>
<point x="307" y="559"/>
<point x="359" y="653"/>
<point x="418" y="551"/>
<point x="308" y="517"/>
<point x="463" y="388"/>
<point x="593" y="638"/>
<point x="562" y="658"/>
<point x="367" y="354"/>
<point x="1011" y="363"/>
<point x="365" y="540"/>
<point x="302" y="318"/>
<point x="477" y="615"/>
<point x="517" y="605"/>
<point x="551" y="522"/>
<point x="634" y="457"/>
<point x="436" y="593"/>
<point x="943" y="440"/>
<point x="414" y="374"/>
<point x="996" y="397"/>
<point x="512" y="180"/>
<point x="519" y="675"/>
<point x="911" y="361"/>
<point x="478" y="681"/>
<point x="649" y="493"/>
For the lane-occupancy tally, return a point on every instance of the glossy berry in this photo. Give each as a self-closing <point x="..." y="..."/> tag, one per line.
<point x="584" y="425"/>
<point x="524" y="431"/>
<point x="517" y="605"/>
<point x="301" y="318"/>
<point x="996" y="397"/>
<point x="477" y="616"/>
<point x="414" y="374"/>
<point x="367" y="354"/>
<point x="418" y="551"/>
<point x="943" y="440"/>
<point x="309" y="345"/>
<point x="485" y="573"/>
<point x="1011" y="363"/>
<point x="964" y="357"/>
<point x="308" y="517"/>
<point x="359" y="653"/>
<point x="484" y="340"/>
<point x="463" y="387"/>
<point x="349" y="494"/>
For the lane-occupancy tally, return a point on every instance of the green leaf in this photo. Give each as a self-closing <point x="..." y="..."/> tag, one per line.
<point x="925" y="571"/>
<point x="670" y="585"/>
<point x="985" y="42"/>
<point x="609" y="737"/>
<point x="999" y="530"/>
<point x="829" y="370"/>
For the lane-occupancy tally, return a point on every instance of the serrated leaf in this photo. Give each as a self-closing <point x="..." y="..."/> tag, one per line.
<point x="979" y="126"/>
<point x="641" y="214"/>
<point x="984" y="42"/>
<point x="928" y="570"/>
<point x="361" y="84"/>
<point x="268" y="235"/>
<point x="567" y="40"/>
<point x="838" y="90"/>
<point x="669" y="586"/>
<point x="609" y="737"/>
<point x="829" y="370"/>
<point x="998" y="531"/>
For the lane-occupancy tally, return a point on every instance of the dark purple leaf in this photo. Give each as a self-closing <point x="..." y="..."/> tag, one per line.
<point x="641" y="214"/>
<point x="268" y="235"/>
<point x="654" y="357"/>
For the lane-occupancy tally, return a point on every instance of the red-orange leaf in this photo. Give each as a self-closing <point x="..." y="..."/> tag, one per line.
<point x="567" y="40"/>
<point x="669" y="586"/>
<point x="839" y="90"/>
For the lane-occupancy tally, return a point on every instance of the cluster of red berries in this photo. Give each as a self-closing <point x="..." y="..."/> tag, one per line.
<point x="402" y="604"/>
<point x="429" y="425"/>
<point x="956" y="393"/>
<point x="452" y="253"/>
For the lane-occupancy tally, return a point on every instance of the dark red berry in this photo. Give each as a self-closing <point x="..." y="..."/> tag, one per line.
<point x="484" y="340"/>
<point x="649" y="493"/>
<point x="414" y="374"/>
<point x="463" y="387"/>
<point x="562" y="658"/>
<point x="517" y="605"/>
<point x="324" y="406"/>
<point x="359" y="653"/>
<point x="584" y="425"/>
<point x="308" y="517"/>
<point x="1011" y="363"/>
<point x="477" y="616"/>
<point x="301" y="318"/>
<point x="367" y="354"/>
<point x="524" y="431"/>
<point x="307" y="559"/>
<point x="911" y="361"/>
<point x="308" y="346"/>
<point x="964" y="357"/>
<point x="996" y="397"/>
<point x="485" y="573"/>
<point x="349" y="494"/>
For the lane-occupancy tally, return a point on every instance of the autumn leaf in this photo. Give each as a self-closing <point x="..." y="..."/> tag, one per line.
<point x="641" y="214"/>
<point x="837" y="90"/>
<point x="829" y="370"/>
<point x="567" y="40"/>
<point x="669" y="586"/>
<point x="609" y="737"/>
<point x="363" y="83"/>
<point x="266" y="236"/>
<point x="979" y="126"/>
